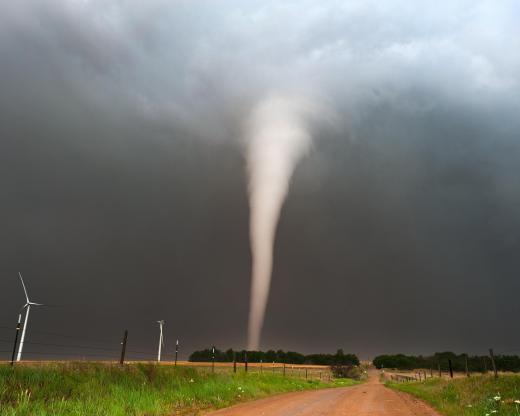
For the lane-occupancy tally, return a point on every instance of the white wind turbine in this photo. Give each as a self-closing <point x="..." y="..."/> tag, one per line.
<point x="27" y="308"/>
<point x="161" y="342"/>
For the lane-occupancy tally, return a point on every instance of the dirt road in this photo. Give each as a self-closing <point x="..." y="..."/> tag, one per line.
<point x="369" y="399"/>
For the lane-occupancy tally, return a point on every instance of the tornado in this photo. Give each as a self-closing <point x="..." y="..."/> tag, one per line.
<point x="277" y="137"/>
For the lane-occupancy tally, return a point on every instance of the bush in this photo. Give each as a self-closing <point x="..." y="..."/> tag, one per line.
<point x="346" y="371"/>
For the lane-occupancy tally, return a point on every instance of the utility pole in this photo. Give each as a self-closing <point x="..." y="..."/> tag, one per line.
<point x="123" y="349"/>
<point x="176" y="351"/>
<point x="16" y="338"/>
<point x="493" y="362"/>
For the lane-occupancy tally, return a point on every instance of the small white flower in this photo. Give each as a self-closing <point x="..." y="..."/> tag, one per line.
<point x="497" y="397"/>
<point x="517" y="401"/>
<point x="493" y="411"/>
<point x="469" y="405"/>
<point x="192" y="381"/>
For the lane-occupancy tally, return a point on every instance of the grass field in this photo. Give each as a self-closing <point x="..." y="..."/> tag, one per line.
<point x="476" y="395"/>
<point x="139" y="389"/>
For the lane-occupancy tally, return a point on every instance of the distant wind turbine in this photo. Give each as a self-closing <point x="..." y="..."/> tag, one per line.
<point x="27" y="308"/>
<point x="161" y="342"/>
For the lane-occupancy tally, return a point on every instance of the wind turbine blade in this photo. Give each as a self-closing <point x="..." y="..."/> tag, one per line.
<point x="24" y="289"/>
<point x="37" y="304"/>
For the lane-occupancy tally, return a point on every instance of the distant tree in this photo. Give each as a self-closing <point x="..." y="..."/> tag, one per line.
<point x="458" y="361"/>
<point x="289" y="357"/>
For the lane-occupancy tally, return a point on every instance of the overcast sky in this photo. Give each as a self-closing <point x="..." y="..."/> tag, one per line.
<point x="123" y="193"/>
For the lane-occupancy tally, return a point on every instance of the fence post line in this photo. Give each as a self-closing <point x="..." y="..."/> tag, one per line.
<point x="451" y="368"/>
<point x="440" y="371"/>
<point x="466" y="364"/>
<point x="16" y="338"/>
<point x="273" y="367"/>
<point x="176" y="351"/>
<point x="306" y="373"/>
<point x="234" y="361"/>
<point x="493" y="362"/>
<point x="284" y="369"/>
<point x="123" y="348"/>
<point x="245" y="360"/>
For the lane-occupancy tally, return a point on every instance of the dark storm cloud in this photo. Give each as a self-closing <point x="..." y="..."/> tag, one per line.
<point x="124" y="198"/>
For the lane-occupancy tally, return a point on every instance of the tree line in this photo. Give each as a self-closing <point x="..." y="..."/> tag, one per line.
<point x="476" y="363"/>
<point x="280" y="356"/>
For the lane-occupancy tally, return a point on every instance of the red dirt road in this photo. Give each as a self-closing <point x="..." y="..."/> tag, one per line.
<point x="369" y="399"/>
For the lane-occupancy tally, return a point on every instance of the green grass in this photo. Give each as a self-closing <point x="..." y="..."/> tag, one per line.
<point x="142" y="389"/>
<point x="468" y="396"/>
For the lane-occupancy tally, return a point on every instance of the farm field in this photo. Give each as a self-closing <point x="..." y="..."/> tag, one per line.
<point x="79" y="388"/>
<point x="468" y="396"/>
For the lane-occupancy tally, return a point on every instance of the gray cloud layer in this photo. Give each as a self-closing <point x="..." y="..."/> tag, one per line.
<point x="121" y="166"/>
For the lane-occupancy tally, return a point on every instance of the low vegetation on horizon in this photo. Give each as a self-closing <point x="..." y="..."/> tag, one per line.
<point x="79" y="388"/>
<point x="280" y="356"/>
<point x="475" y="363"/>
<point x="480" y="395"/>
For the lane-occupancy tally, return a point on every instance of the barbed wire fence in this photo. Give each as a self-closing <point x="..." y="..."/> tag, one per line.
<point x="110" y="350"/>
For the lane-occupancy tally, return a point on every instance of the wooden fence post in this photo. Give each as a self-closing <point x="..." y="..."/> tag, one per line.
<point x="123" y="348"/>
<point x="18" y="326"/>
<point x="493" y="362"/>
<point x="451" y="368"/>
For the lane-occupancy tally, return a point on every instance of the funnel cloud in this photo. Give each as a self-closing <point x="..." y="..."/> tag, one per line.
<point x="277" y="138"/>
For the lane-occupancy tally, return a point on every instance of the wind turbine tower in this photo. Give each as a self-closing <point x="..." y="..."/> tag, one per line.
<point x="161" y="341"/>
<point x="27" y="308"/>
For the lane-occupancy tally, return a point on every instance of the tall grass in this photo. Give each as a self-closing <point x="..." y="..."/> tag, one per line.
<point x="476" y="395"/>
<point x="140" y="389"/>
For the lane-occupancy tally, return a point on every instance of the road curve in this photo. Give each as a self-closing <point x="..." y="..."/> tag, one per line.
<point x="369" y="399"/>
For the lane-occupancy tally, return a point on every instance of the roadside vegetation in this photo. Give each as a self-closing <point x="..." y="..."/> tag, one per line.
<point x="136" y="389"/>
<point x="481" y="395"/>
